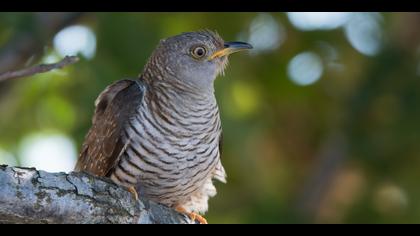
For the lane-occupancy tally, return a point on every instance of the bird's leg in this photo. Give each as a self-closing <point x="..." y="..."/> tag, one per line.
<point x="193" y="216"/>
<point x="133" y="191"/>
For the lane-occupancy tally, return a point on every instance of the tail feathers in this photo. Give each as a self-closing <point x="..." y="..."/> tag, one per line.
<point x="220" y="173"/>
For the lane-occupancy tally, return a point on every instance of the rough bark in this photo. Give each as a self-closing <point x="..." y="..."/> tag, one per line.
<point x="28" y="195"/>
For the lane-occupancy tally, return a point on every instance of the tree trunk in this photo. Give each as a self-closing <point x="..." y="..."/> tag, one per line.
<point x="28" y="195"/>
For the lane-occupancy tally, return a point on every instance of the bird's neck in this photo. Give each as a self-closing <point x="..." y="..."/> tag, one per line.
<point x="159" y="76"/>
<point x="167" y="83"/>
<point x="181" y="93"/>
<point x="167" y="96"/>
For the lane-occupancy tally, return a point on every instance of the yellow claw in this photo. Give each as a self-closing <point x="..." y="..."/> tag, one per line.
<point x="193" y="216"/>
<point x="133" y="191"/>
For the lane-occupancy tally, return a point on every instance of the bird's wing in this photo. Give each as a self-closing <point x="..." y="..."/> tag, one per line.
<point x="103" y="143"/>
<point x="221" y="143"/>
<point x="220" y="173"/>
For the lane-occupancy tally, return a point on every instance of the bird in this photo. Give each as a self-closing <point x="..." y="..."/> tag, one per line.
<point x="160" y="135"/>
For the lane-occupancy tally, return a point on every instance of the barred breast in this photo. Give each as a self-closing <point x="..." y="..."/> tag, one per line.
<point x="171" y="146"/>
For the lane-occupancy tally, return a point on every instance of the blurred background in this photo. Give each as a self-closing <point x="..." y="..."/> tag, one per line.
<point x="321" y="120"/>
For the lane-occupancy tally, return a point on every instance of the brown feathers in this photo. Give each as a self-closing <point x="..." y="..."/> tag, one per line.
<point x="103" y="144"/>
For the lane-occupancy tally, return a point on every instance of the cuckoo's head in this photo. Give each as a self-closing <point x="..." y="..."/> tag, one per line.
<point x="193" y="58"/>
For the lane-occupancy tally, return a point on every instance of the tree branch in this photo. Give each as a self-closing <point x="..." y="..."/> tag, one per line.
<point x="28" y="44"/>
<point x="38" y="69"/>
<point x="24" y="45"/>
<point x="28" y="195"/>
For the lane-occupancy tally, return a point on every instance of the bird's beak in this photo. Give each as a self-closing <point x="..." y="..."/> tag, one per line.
<point x="229" y="48"/>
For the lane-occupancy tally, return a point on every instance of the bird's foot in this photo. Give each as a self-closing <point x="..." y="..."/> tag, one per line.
<point x="193" y="216"/>
<point x="133" y="191"/>
<point x="198" y="217"/>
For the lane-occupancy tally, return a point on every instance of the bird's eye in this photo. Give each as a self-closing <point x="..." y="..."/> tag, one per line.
<point x="199" y="52"/>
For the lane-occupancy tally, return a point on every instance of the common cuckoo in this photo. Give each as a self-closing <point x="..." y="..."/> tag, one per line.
<point x="160" y="135"/>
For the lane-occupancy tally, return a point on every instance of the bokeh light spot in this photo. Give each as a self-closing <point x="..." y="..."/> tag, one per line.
<point x="390" y="199"/>
<point x="265" y="33"/>
<point x="305" y="68"/>
<point x="363" y="31"/>
<point x="318" y="20"/>
<point x="75" y="39"/>
<point x="49" y="152"/>
<point x="245" y="98"/>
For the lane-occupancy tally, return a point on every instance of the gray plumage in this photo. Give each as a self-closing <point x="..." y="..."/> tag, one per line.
<point x="162" y="132"/>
